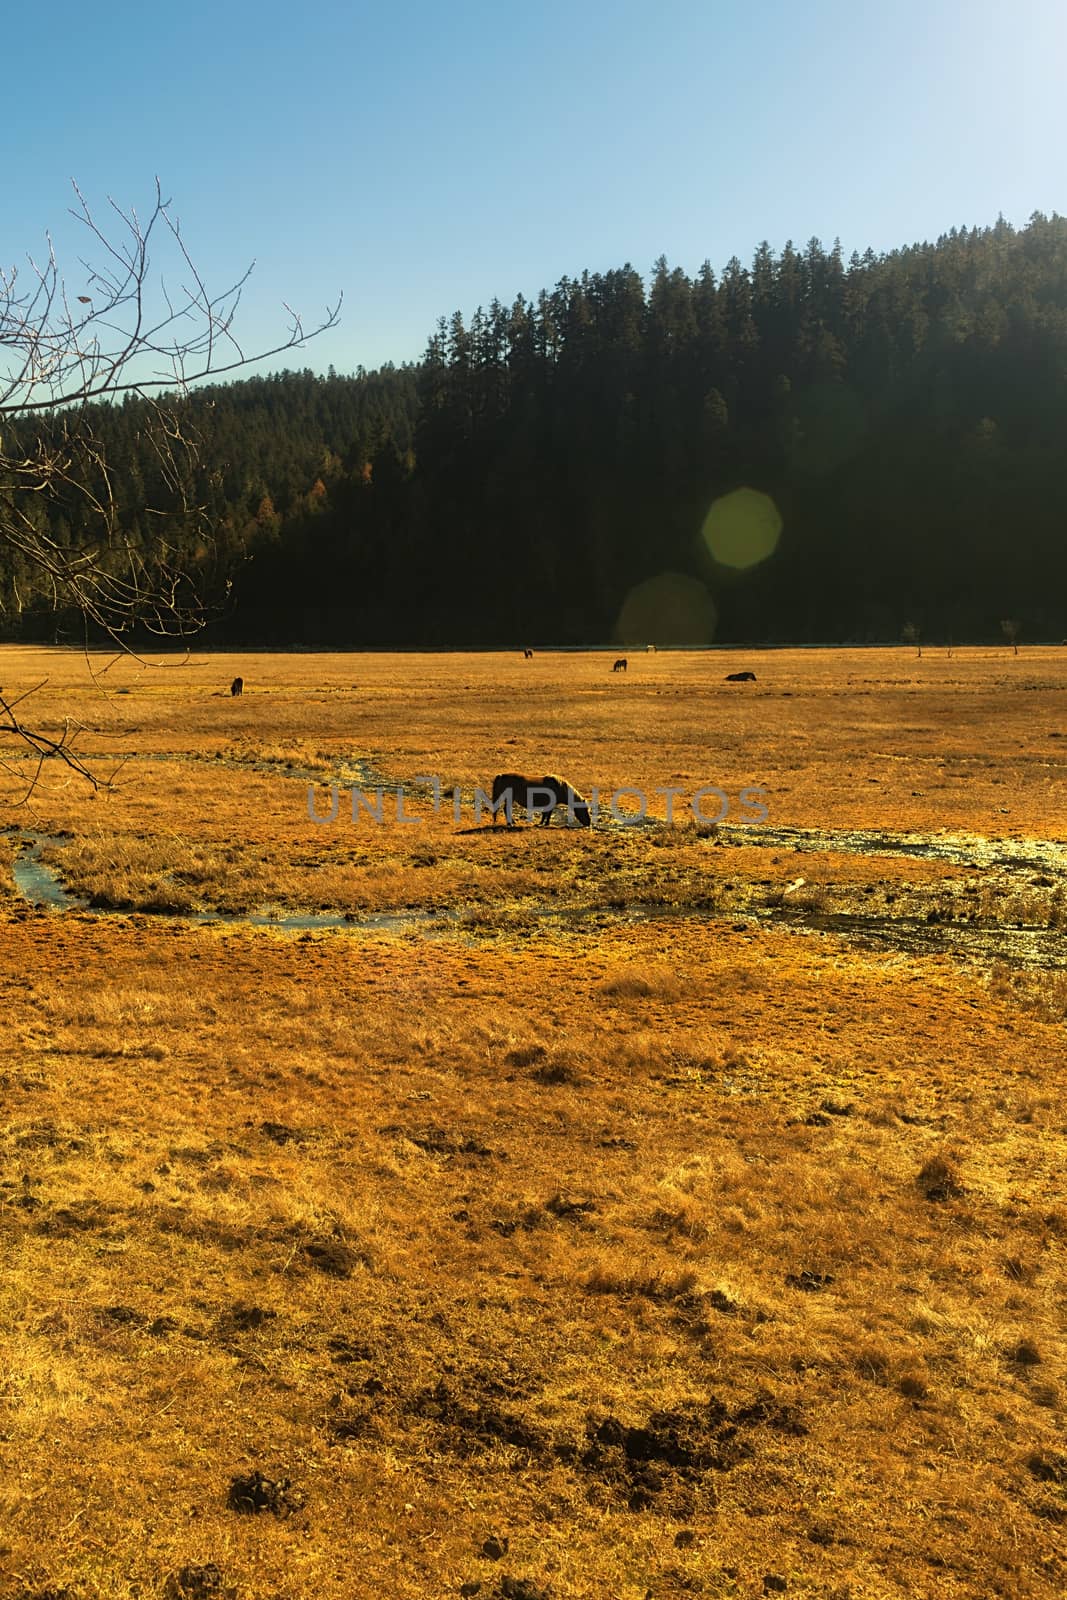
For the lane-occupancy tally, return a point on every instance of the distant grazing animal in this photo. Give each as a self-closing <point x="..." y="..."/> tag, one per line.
<point x="651" y="649"/>
<point x="740" y="677"/>
<point x="620" y="665"/>
<point x="546" y="794"/>
<point x="237" y="686"/>
<point x="527" y="655"/>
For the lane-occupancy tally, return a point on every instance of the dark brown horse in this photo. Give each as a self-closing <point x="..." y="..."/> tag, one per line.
<point x="565" y="794"/>
<point x="541" y="796"/>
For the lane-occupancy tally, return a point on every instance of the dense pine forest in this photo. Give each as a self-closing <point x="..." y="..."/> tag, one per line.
<point x="906" y="414"/>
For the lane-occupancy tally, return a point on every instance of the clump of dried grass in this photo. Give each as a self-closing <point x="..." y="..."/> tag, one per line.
<point x="646" y="1280"/>
<point x="642" y="983"/>
<point x="939" y="1178"/>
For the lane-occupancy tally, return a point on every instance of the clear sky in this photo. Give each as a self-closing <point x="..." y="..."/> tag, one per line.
<point x="427" y="157"/>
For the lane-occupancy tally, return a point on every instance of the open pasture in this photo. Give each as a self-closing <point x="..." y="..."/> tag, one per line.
<point x="642" y="1222"/>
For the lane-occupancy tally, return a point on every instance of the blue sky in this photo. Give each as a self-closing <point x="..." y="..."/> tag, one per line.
<point x="427" y="158"/>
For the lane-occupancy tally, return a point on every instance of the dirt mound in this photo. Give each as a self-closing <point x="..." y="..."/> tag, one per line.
<point x="667" y="1460"/>
<point x="252" y="1492"/>
<point x="470" y="1425"/>
<point x="198" y="1583"/>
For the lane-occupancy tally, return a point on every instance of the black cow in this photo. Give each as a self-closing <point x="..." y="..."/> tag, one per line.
<point x="237" y="686"/>
<point x="740" y="677"/>
<point x="543" y="794"/>
<point x="620" y="665"/>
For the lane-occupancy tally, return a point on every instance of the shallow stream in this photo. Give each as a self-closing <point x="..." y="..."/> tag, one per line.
<point x="39" y="883"/>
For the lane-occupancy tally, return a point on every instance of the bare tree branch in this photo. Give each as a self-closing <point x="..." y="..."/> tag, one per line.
<point x="62" y="353"/>
<point x="43" y="747"/>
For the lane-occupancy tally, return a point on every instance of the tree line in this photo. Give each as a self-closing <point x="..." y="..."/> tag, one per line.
<point x="906" y="414"/>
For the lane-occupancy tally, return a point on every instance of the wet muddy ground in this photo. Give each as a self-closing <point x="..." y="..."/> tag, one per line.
<point x="1009" y="907"/>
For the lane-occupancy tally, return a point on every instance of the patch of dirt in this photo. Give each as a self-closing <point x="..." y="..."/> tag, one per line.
<point x="528" y="1219"/>
<point x="560" y="1069"/>
<point x="44" y="1136"/>
<point x="243" y="1319"/>
<point x="1048" y="1466"/>
<point x="522" y="1589"/>
<point x="468" y="1426"/>
<point x="343" y="1350"/>
<point x="195" y="1155"/>
<point x="198" y="1583"/>
<point x="125" y="1316"/>
<point x="281" y="1133"/>
<point x="250" y="1493"/>
<point x="47" y="1593"/>
<point x="353" y="1411"/>
<point x="67" y="1221"/>
<point x="809" y="1282"/>
<point x="526" y="1056"/>
<point x="565" y="1206"/>
<point x="438" y="1141"/>
<point x="334" y="1257"/>
<point x="666" y="1462"/>
<point x="348" y="1421"/>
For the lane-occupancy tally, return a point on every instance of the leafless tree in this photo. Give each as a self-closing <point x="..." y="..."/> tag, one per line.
<point x="128" y="327"/>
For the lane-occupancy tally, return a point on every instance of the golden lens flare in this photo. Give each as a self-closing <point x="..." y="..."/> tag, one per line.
<point x="742" y="529"/>
<point x="670" y="609"/>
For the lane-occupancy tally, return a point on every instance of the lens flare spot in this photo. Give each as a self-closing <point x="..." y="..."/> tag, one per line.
<point x="742" y="529"/>
<point x="669" y="608"/>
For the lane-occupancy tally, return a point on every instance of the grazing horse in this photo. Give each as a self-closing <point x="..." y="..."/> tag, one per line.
<point x="516" y="788"/>
<point x="237" y="686"/>
<point x="620" y="665"/>
<point x="527" y="654"/>
<point x="545" y="795"/>
<point x="566" y="795"/>
<point x="740" y="677"/>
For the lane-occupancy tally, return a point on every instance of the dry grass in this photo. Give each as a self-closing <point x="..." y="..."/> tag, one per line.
<point x="672" y="1258"/>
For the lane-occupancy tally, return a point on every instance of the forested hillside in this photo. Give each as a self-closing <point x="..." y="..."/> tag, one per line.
<point x="907" y="415"/>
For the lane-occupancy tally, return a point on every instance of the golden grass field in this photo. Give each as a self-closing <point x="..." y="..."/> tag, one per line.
<point x="618" y="1233"/>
